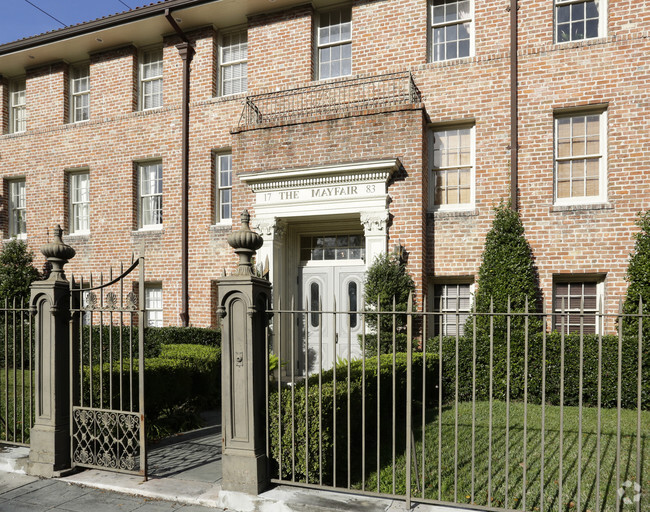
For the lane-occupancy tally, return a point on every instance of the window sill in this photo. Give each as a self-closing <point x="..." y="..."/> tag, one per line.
<point x="559" y="208"/>
<point x="581" y="42"/>
<point x="77" y="236"/>
<point x="144" y="232"/>
<point x="448" y="214"/>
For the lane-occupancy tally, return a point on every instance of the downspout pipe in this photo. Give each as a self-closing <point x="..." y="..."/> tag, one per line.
<point x="514" y="107"/>
<point x="186" y="51"/>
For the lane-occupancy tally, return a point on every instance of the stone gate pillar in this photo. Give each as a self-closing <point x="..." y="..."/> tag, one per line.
<point x="49" y="452"/>
<point x="243" y="301"/>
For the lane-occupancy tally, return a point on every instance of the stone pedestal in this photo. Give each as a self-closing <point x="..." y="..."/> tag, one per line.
<point x="50" y="436"/>
<point x="244" y="300"/>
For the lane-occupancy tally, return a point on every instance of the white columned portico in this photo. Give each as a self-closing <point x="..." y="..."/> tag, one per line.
<point x="293" y="203"/>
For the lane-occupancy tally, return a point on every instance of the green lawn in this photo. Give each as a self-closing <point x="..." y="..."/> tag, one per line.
<point x="454" y="487"/>
<point x="14" y="426"/>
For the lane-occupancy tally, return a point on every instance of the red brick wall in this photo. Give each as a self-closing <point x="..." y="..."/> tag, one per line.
<point x="387" y="36"/>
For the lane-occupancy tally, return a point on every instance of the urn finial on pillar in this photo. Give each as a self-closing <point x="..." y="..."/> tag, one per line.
<point x="245" y="242"/>
<point x="58" y="254"/>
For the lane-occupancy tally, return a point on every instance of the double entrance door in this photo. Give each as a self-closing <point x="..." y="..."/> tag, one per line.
<point x="334" y="294"/>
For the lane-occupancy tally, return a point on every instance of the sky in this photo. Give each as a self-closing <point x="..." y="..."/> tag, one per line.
<point x="20" y="19"/>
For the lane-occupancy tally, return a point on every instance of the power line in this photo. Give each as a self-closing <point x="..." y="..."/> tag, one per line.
<point x="46" y="13"/>
<point x="125" y="5"/>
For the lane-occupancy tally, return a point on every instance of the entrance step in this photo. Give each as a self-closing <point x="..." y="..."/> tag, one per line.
<point x="14" y="459"/>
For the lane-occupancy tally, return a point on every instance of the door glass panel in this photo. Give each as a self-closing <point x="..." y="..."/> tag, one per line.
<point x="352" y="301"/>
<point x="314" y="299"/>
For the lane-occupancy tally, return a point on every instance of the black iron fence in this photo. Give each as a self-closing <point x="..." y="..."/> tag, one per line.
<point x="518" y="411"/>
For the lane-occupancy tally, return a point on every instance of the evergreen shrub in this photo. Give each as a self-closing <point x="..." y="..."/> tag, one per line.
<point x="316" y="435"/>
<point x="17" y="271"/>
<point x="387" y="280"/>
<point x="608" y="364"/>
<point x="638" y="277"/>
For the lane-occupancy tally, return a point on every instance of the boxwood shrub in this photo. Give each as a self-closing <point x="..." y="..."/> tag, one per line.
<point x="290" y="428"/>
<point x="181" y="374"/>
<point x="154" y="339"/>
<point x="609" y="365"/>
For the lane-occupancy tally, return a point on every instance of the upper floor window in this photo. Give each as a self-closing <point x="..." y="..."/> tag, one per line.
<point x="223" y="171"/>
<point x="17" y="106"/>
<point x="234" y="62"/>
<point x="151" y="79"/>
<point x="452" y="168"/>
<point x="150" y="195"/>
<point x="80" y="93"/>
<point x="17" y="209"/>
<point x="334" y="41"/>
<point x="576" y="20"/>
<point x="451" y="29"/>
<point x="580" y="160"/>
<point x="79" y="203"/>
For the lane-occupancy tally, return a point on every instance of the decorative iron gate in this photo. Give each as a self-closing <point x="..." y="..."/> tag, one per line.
<point x="107" y="373"/>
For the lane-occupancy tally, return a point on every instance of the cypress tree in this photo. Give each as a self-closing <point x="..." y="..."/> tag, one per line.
<point x="638" y="277"/>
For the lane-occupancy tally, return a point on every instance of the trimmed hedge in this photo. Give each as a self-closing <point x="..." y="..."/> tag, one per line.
<point x="180" y="374"/>
<point x="609" y="365"/>
<point x="182" y="335"/>
<point x="154" y="339"/>
<point x="306" y="457"/>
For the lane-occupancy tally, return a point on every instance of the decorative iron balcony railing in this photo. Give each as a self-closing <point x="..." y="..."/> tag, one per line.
<point x="340" y="97"/>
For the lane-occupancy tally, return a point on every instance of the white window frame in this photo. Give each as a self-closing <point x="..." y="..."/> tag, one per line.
<point x="234" y="63"/>
<point x="18" y="106"/>
<point x="144" y="80"/>
<point x="434" y="305"/>
<point x="602" y="20"/>
<point x="472" y="166"/>
<point x="148" y="199"/>
<point x="601" y="197"/>
<point x="79" y="93"/>
<point x="433" y="25"/>
<point x="219" y="159"/>
<point x="17" y="208"/>
<point x="599" y="280"/>
<point x="79" y="202"/>
<point x="339" y="43"/>
<point x="153" y="304"/>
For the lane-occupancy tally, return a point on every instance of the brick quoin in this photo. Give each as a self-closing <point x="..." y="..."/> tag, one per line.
<point x="607" y="73"/>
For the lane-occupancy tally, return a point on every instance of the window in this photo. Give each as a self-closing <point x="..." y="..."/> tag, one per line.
<point x="576" y="20"/>
<point x="452" y="168"/>
<point x="79" y="93"/>
<point x="153" y="303"/>
<point x="453" y="302"/>
<point x="150" y="195"/>
<point x="573" y="296"/>
<point x="17" y="106"/>
<point x="580" y="158"/>
<point x="335" y="43"/>
<point x="234" y="57"/>
<point x="332" y="247"/>
<point x="79" y="195"/>
<point x="17" y="209"/>
<point x="451" y="29"/>
<point x="151" y="79"/>
<point x="223" y="170"/>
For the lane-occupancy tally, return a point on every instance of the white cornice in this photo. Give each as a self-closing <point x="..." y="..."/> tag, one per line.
<point x="356" y="172"/>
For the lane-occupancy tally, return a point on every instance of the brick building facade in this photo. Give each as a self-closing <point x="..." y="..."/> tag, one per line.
<point x="347" y="130"/>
